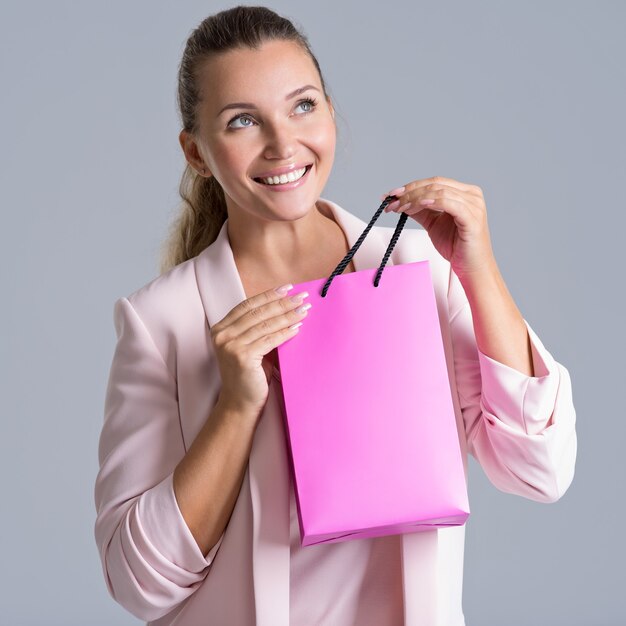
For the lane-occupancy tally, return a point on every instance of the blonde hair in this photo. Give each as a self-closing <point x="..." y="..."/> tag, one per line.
<point x="203" y="209"/>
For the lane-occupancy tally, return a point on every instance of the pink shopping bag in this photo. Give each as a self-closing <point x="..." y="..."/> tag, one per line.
<point x="369" y="418"/>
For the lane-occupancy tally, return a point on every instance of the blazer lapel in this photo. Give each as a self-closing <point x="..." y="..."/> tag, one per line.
<point x="221" y="288"/>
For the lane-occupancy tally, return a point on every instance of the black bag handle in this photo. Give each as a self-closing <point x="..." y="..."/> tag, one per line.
<point x="344" y="262"/>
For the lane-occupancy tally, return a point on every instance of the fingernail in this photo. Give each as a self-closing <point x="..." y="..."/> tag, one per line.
<point x="395" y="192"/>
<point x="284" y="289"/>
<point x="392" y="205"/>
<point x="299" y="296"/>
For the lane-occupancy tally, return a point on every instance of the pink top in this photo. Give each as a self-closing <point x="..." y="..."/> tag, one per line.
<point x="370" y="571"/>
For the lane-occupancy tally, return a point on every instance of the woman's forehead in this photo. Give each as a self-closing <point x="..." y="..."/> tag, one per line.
<point x="245" y="73"/>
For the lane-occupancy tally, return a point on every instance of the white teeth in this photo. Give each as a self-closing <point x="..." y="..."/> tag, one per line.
<point x="285" y="178"/>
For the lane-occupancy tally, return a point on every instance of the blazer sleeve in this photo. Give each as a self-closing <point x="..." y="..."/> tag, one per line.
<point x="150" y="559"/>
<point x="521" y="429"/>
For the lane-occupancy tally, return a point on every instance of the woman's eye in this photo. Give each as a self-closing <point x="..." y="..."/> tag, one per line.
<point x="244" y="116"/>
<point x="311" y="103"/>
<point x="236" y="119"/>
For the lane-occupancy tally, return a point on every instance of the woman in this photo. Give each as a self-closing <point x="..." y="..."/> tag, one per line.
<point x="196" y="520"/>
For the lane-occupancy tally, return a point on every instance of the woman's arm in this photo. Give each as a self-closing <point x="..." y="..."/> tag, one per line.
<point x="208" y="479"/>
<point x="520" y="428"/>
<point x="151" y="558"/>
<point x="498" y="324"/>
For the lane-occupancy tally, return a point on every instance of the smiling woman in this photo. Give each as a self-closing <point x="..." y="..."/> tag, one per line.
<point x="277" y="130"/>
<point x="197" y="521"/>
<point x="257" y="120"/>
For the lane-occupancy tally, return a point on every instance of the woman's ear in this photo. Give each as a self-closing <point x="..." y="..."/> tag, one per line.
<point x="192" y="154"/>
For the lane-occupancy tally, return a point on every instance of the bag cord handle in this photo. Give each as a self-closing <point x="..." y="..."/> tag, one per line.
<point x="344" y="262"/>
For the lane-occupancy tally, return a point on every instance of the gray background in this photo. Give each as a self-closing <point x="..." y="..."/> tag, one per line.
<point x="526" y="100"/>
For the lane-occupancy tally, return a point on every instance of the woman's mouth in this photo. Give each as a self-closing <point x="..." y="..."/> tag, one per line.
<point x="287" y="185"/>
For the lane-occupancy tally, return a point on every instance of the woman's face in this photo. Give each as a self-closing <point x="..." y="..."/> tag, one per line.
<point x="279" y="130"/>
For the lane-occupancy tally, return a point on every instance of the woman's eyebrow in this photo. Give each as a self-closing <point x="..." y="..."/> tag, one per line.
<point x="251" y="105"/>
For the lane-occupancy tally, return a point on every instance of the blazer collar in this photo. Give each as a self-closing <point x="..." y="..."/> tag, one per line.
<point x="219" y="282"/>
<point x="221" y="288"/>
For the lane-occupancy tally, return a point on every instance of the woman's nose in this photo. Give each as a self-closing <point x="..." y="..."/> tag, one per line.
<point x="280" y="140"/>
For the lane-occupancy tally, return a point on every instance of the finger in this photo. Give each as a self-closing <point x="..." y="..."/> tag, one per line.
<point x="264" y="336"/>
<point x="437" y="195"/>
<point x="393" y="192"/>
<point x="456" y="208"/>
<point x="438" y="182"/>
<point x="247" y="305"/>
<point x="258" y="320"/>
<point x="415" y="198"/>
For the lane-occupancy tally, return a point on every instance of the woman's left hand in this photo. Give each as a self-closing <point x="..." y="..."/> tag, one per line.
<point x="455" y="218"/>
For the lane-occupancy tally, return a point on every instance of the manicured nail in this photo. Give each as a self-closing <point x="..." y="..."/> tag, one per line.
<point x="284" y="289"/>
<point x="392" y="205"/>
<point x="397" y="191"/>
<point x="299" y="296"/>
<point x="427" y="201"/>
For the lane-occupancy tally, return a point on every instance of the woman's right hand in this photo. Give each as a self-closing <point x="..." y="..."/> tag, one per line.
<point x="244" y="336"/>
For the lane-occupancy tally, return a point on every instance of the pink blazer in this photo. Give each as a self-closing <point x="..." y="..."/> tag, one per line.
<point x="164" y="381"/>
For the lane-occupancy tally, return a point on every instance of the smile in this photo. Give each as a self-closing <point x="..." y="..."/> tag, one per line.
<point x="287" y="184"/>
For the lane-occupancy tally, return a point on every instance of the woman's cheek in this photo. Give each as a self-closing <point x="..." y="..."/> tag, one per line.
<point x="324" y="140"/>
